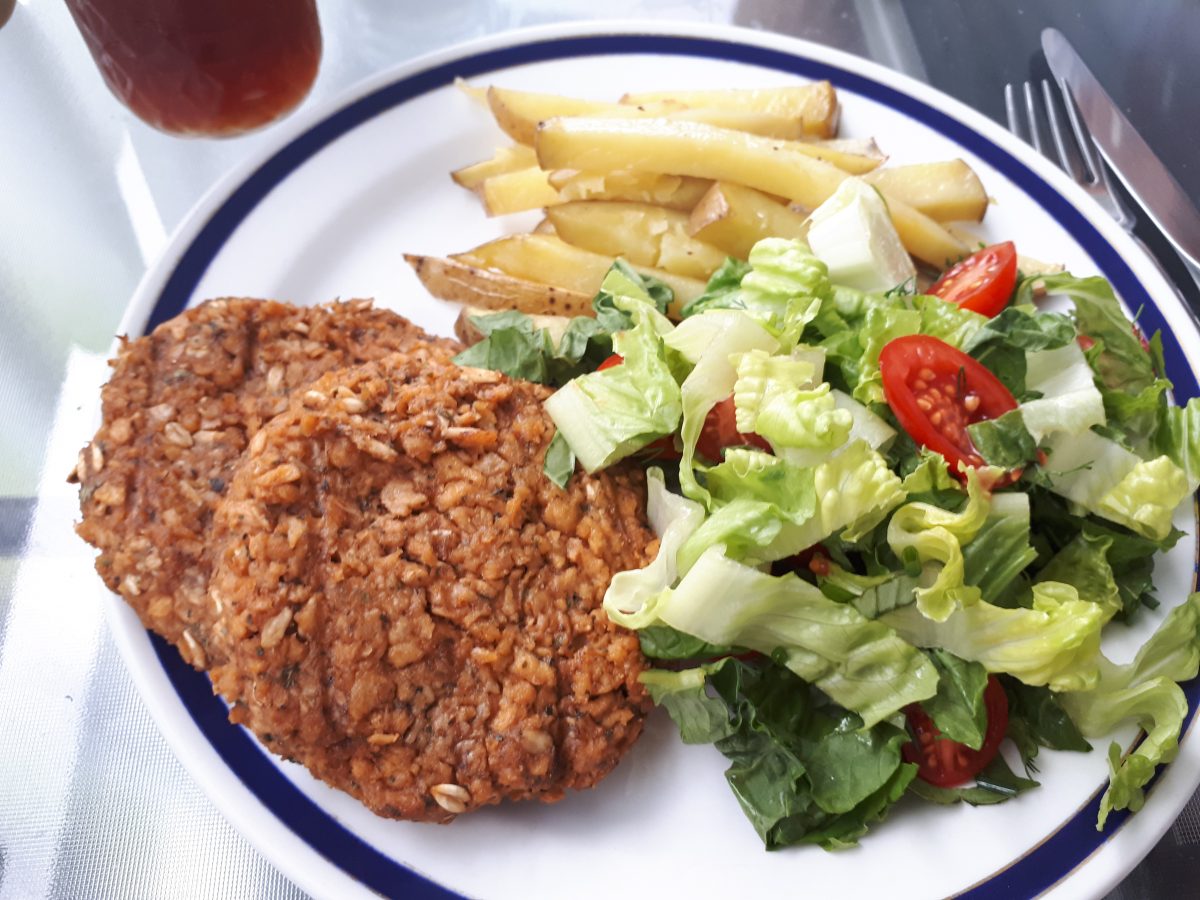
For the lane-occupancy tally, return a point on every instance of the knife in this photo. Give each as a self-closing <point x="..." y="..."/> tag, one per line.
<point x="1140" y="170"/>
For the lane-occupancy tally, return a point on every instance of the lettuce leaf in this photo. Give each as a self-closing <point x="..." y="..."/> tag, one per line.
<point x="1036" y="719"/>
<point x="722" y="284"/>
<point x="1123" y="364"/>
<point x="1070" y="402"/>
<point x="934" y="535"/>
<point x="1000" y="551"/>
<point x="1004" y="441"/>
<point x="948" y="322"/>
<point x="871" y="595"/>
<point x="1055" y="642"/>
<point x="858" y="663"/>
<point x="760" y="506"/>
<point x="770" y="402"/>
<point x="782" y="289"/>
<point x="803" y="771"/>
<point x="512" y="344"/>
<point x="711" y="381"/>
<point x="1146" y="691"/>
<point x="1178" y="436"/>
<point x="1002" y="344"/>
<point x="607" y="415"/>
<point x="559" y="464"/>
<point x="957" y="709"/>
<point x="1146" y="498"/>
<point x="674" y="519"/>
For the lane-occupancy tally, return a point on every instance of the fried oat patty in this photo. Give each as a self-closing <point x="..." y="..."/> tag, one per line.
<point x="413" y="608"/>
<point x="180" y="406"/>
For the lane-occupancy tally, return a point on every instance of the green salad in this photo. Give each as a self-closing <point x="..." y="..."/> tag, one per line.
<point x="893" y="525"/>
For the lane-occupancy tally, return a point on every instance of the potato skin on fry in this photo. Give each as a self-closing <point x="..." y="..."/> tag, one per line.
<point x="449" y="279"/>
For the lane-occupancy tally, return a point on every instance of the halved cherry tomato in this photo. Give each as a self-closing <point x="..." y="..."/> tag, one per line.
<point x="947" y="763"/>
<point x="936" y="391"/>
<point x="983" y="282"/>
<point x="720" y="431"/>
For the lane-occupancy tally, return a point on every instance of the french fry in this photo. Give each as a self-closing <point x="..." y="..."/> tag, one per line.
<point x="517" y="191"/>
<point x="947" y="191"/>
<point x="643" y="234"/>
<point x="703" y="151"/>
<point x="671" y="191"/>
<point x="552" y="261"/>
<point x="477" y="94"/>
<point x="815" y="104"/>
<point x="734" y="218"/>
<point x="460" y="282"/>
<point x="466" y="332"/>
<point x="518" y="114"/>
<point x="506" y="159"/>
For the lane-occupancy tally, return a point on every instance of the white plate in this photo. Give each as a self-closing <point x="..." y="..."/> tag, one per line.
<point x="328" y="212"/>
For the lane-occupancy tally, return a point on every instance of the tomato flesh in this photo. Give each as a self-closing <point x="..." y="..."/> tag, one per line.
<point x="720" y="431"/>
<point x="983" y="282"/>
<point x="936" y="391"/>
<point x="946" y="763"/>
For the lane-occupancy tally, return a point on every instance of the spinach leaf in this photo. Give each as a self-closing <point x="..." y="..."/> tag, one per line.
<point x="957" y="709"/>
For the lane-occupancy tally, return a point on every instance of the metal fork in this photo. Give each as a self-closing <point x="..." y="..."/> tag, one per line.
<point x="1022" y="106"/>
<point x="1084" y="166"/>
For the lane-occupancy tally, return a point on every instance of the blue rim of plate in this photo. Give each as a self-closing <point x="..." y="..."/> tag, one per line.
<point x="1035" y="872"/>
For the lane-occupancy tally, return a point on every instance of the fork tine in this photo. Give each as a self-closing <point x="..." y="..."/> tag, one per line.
<point x="1035" y="130"/>
<point x="1066" y="159"/>
<point x="1010" y="111"/>
<point x="1083" y="137"/>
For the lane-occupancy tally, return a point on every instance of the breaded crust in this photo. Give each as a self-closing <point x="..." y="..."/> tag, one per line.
<point x="178" y="411"/>
<point x="413" y="608"/>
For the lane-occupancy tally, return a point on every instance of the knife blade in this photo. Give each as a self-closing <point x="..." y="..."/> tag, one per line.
<point x="1129" y="156"/>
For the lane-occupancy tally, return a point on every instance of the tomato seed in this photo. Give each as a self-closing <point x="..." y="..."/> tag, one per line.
<point x="924" y="404"/>
<point x="971" y="402"/>
<point x="927" y="374"/>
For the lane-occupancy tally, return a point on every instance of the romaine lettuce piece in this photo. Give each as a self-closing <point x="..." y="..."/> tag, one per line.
<point x="782" y="290"/>
<point x="858" y="663"/>
<point x="1070" y="402"/>
<point x="864" y="424"/>
<point x="760" y="507"/>
<point x="871" y="595"/>
<point x="1178" y="437"/>
<point x="935" y="535"/>
<point x="852" y="233"/>
<point x="855" y="491"/>
<point x="881" y="325"/>
<point x="770" y="402"/>
<point x="674" y="519"/>
<point x="1124" y="363"/>
<point x="1000" y="550"/>
<point x="1084" y="467"/>
<point x="1146" y="498"/>
<point x="1146" y="691"/>
<point x="607" y="415"/>
<point x="711" y="381"/>
<point x="948" y="322"/>
<point x="1056" y="642"/>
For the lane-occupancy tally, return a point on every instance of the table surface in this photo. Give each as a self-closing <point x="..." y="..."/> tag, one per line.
<point x="92" y="801"/>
